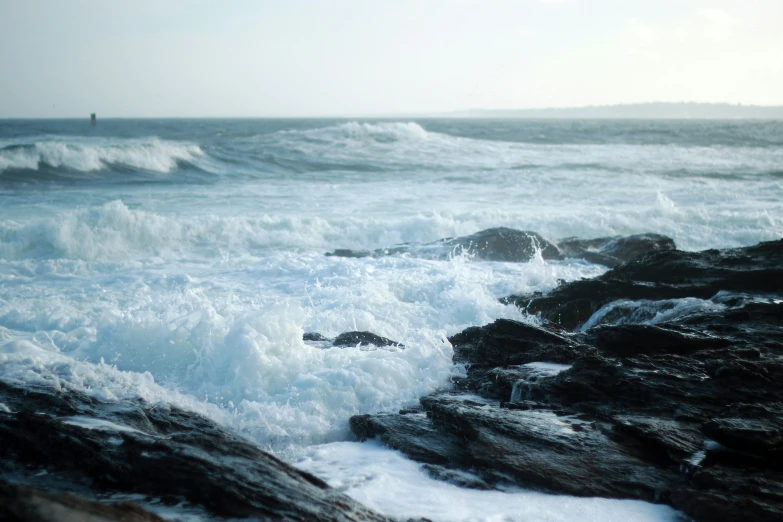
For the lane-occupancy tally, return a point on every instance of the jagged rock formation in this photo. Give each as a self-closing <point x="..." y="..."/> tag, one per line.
<point x="687" y="411"/>
<point x="164" y="453"/>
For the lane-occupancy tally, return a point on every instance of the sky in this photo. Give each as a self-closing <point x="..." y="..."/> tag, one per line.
<point x="246" y="58"/>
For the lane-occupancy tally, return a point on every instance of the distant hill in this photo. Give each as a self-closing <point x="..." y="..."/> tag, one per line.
<point x="636" y="111"/>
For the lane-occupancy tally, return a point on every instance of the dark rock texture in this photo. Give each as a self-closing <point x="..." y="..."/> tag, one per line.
<point x="511" y="245"/>
<point x="687" y="411"/>
<point x="504" y="244"/>
<point x="366" y="338"/>
<point x="667" y="274"/>
<point x="314" y="336"/>
<point x="613" y="251"/>
<point x="25" y="504"/>
<point x="160" y="452"/>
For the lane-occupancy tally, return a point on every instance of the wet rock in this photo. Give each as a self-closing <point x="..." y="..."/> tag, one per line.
<point x="365" y="338"/>
<point x="613" y="251"/>
<point x="26" y="504"/>
<point x="314" y="336"/>
<point x="519" y="246"/>
<point x="667" y="274"/>
<point x="750" y="428"/>
<point x="347" y="252"/>
<point x="507" y="342"/>
<point x="686" y="411"/>
<point x="534" y="448"/>
<point x="505" y="244"/>
<point x="160" y="452"/>
<point x="494" y="244"/>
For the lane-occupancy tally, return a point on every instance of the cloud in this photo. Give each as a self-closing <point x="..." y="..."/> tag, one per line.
<point x="701" y="29"/>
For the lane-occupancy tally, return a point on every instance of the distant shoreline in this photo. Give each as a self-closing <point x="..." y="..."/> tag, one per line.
<point x="643" y="111"/>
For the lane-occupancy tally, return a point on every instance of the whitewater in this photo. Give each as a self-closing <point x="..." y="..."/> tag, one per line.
<point x="181" y="262"/>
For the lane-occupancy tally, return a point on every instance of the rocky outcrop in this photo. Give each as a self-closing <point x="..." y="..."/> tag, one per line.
<point x="511" y="245"/>
<point x="26" y="504"/>
<point x="163" y="453"/>
<point x="686" y="411"/>
<point x="613" y="251"/>
<point x="667" y="274"/>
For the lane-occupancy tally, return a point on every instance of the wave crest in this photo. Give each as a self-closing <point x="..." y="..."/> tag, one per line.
<point x="151" y="154"/>
<point x="382" y="132"/>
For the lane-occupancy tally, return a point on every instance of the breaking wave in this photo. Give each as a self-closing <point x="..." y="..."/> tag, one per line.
<point x="384" y="132"/>
<point x="81" y="155"/>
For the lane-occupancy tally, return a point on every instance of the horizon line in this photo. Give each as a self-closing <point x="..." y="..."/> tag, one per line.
<point x="460" y="113"/>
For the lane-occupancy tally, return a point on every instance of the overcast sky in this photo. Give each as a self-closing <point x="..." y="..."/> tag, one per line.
<point x="64" y="58"/>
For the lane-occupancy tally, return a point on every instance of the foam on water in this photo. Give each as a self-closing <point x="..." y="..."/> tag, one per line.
<point x="114" y="231"/>
<point x="650" y="312"/>
<point x="386" y="481"/>
<point x="232" y="337"/>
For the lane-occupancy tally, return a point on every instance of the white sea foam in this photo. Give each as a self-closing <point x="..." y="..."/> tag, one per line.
<point x="535" y="372"/>
<point x="234" y="337"/>
<point x="88" y="155"/>
<point x="649" y="312"/>
<point x="91" y="423"/>
<point x="114" y="231"/>
<point x="393" y="485"/>
<point x="386" y="132"/>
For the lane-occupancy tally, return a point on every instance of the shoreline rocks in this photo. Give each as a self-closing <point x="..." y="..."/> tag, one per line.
<point x="687" y="411"/>
<point x="669" y="274"/>
<point x="60" y="440"/>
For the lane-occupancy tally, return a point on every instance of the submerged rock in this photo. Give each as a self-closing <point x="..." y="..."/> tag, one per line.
<point x="64" y="439"/>
<point x="511" y="245"/>
<point x="494" y="244"/>
<point x="504" y="244"/>
<point x="314" y="336"/>
<point x="686" y="411"/>
<point x="366" y="338"/>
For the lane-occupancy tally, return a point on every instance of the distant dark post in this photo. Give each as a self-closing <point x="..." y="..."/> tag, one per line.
<point x="93" y="119"/>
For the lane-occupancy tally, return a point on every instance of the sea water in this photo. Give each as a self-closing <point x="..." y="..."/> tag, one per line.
<point x="180" y="261"/>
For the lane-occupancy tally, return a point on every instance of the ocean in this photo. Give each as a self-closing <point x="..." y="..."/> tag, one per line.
<point x="181" y="261"/>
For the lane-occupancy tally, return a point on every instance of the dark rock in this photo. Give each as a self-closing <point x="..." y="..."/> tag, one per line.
<point x="506" y="342"/>
<point x="688" y="411"/>
<point x="667" y="274"/>
<point x="19" y="503"/>
<point x="314" y="336"/>
<point x="413" y="433"/>
<point x="505" y="244"/>
<point x="637" y="339"/>
<point x="751" y="428"/>
<point x="366" y="338"/>
<point x="25" y="504"/>
<point x="511" y="245"/>
<point x="613" y="251"/>
<point x="458" y="478"/>
<point x="163" y="453"/>
<point x="494" y="244"/>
